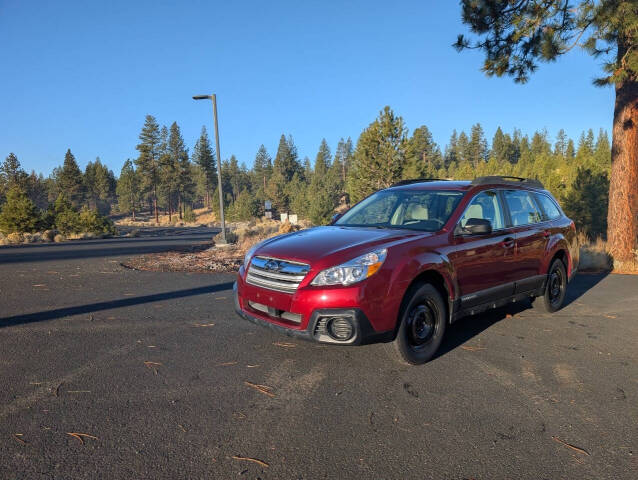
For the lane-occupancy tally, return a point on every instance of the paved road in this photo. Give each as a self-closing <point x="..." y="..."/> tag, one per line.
<point x="155" y="366"/>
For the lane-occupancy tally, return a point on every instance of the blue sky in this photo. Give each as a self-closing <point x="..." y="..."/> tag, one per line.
<point x="83" y="75"/>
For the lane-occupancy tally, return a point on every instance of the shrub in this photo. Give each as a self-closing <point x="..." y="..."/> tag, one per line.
<point x="231" y="237"/>
<point x="67" y="219"/>
<point x="91" y="221"/>
<point x="245" y="207"/>
<point x="49" y="235"/>
<point x="189" y="215"/>
<point x="15" y="237"/>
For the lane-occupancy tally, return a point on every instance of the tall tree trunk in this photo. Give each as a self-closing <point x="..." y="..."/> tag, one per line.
<point x="179" y="200"/>
<point x="155" y="203"/>
<point x="170" y="208"/>
<point x="622" y="217"/>
<point x="133" y="213"/>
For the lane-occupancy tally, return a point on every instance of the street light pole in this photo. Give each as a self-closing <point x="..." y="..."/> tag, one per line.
<point x="213" y="98"/>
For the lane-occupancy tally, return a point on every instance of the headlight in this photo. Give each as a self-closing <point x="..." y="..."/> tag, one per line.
<point x="353" y="271"/>
<point x="249" y="254"/>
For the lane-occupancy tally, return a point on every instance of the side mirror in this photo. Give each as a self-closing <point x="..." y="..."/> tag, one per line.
<point x="335" y="217"/>
<point x="477" y="226"/>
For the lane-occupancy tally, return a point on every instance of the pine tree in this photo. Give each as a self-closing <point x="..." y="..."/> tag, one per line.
<point x="463" y="148"/>
<point x="71" y="181"/>
<point x="307" y="170"/>
<point x="343" y="159"/>
<point x="324" y="189"/>
<point x="148" y="162"/>
<point x="236" y="178"/>
<point x="18" y="214"/>
<point x="423" y="155"/>
<point x="204" y="158"/>
<point x="570" y="152"/>
<point x="602" y="151"/>
<point x="262" y="170"/>
<point x="245" y="207"/>
<point x="451" y="150"/>
<point x="99" y="183"/>
<point x="285" y="166"/>
<point x="11" y="172"/>
<point x="540" y="144"/>
<point x="181" y="175"/>
<point x="297" y="190"/>
<point x="323" y="160"/>
<point x="379" y="156"/>
<point x="499" y="146"/>
<point x="477" y="151"/>
<point x="560" y="147"/>
<point x="128" y="189"/>
<point x="168" y="175"/>
<point x="286" y="160"/>
<point x="587" y="201"/>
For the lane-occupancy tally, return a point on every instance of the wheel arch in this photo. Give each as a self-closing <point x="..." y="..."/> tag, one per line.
<point x="439" y="281"/>
<point x="561" y="252"/>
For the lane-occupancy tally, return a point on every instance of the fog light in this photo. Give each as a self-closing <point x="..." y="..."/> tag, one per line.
<point x="340" y="328"/>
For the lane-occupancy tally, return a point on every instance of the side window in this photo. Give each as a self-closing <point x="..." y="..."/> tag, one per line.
<point x="487" y="206"/>
<point x="551" y="210"/>
<point x="523" y="210"/>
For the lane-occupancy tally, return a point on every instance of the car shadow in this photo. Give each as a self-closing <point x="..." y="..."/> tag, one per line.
<point x="111" y="304"/>
<point x="464" y="329"/>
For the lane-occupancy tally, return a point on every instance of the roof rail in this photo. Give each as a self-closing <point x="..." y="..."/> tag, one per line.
<point x="418" y="180"/>
<point x="507" y="180"/>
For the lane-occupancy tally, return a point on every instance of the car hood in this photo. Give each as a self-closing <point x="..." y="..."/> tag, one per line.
<point x="331" y="244"/>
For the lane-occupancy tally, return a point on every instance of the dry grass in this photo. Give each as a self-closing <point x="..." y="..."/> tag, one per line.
<point x="213" y="259"/>
<point x="47" y="236"/>
<point x="595" y="257"/>
<point x="203" y="216"/>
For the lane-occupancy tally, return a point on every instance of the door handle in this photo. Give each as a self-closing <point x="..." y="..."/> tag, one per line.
<point x="508" y="242"/>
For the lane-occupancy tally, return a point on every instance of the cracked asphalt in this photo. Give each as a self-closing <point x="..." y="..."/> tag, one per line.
<point x="157" y="378"/>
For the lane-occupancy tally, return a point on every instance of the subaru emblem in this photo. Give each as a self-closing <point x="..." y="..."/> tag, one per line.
<point x="272" y="265"/>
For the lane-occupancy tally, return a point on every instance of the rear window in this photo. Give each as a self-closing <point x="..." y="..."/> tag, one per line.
<point x="523" y="209"/>
<point x="550" y="209"/>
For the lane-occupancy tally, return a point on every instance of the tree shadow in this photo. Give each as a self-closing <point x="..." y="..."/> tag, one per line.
<point x="108" y="305"/>
<point x="102" y="248"/>
<point x="467" y="328"/>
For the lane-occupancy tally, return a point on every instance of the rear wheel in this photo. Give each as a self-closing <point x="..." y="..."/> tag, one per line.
<point x="555" y="290"/>
<point x="421" y="328"/>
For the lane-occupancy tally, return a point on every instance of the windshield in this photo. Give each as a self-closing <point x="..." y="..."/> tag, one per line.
<point x="425" y="210"/>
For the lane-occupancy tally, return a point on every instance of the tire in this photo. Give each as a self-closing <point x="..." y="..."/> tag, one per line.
<point x="554" y="297"/>
<point x="422" y="322"/>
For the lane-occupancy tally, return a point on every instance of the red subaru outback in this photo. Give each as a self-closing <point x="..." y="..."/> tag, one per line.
<point x="406" y="261"/>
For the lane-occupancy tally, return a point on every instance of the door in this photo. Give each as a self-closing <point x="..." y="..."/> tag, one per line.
<point x="531" y="236"/>
<point x="483" y="263"/>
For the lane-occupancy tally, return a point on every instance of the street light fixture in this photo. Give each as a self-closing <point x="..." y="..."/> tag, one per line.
<point x="213" y="98"/>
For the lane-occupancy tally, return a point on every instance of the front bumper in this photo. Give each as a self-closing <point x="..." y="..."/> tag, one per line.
<point x="363" y="331"/>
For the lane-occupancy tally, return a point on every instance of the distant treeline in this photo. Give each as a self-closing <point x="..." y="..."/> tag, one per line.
<point x="166" y="177"/>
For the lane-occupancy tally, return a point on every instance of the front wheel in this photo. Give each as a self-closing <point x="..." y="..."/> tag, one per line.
<point x="555" y="290"/>
<point x="421" y="328"/>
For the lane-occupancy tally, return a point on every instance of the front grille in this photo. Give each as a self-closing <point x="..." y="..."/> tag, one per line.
<point x="275" y="274"/>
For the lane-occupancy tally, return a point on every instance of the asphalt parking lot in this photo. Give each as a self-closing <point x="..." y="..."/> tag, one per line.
<point x="112" y="373"/>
